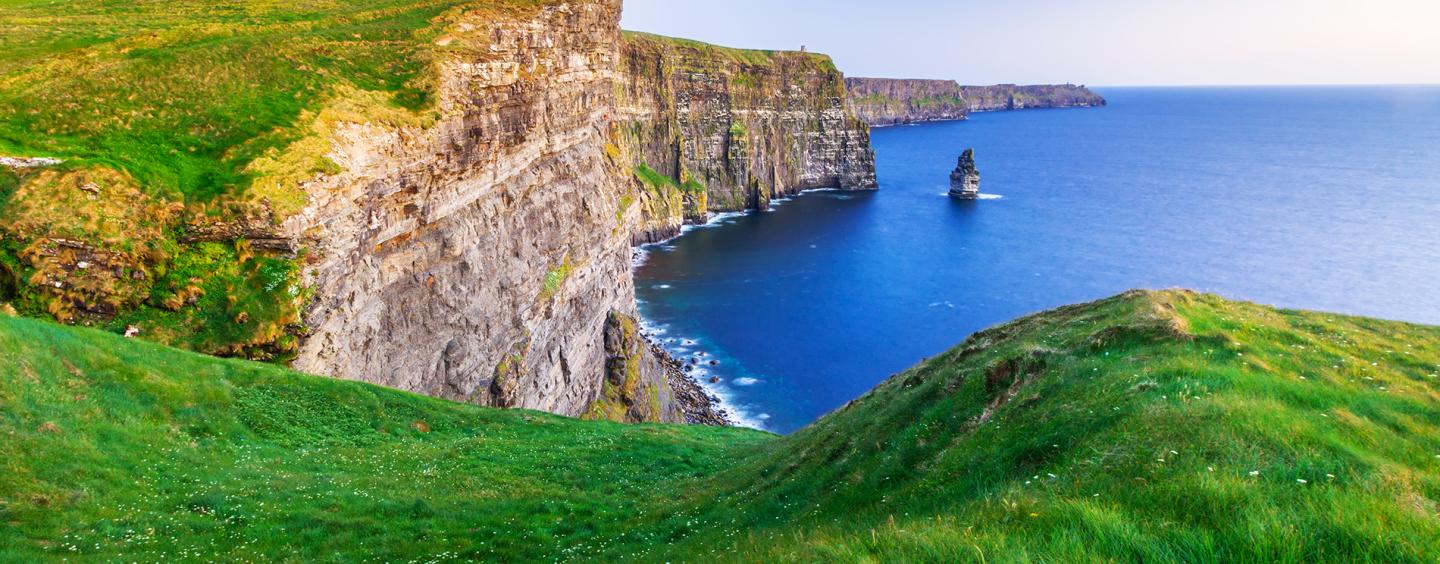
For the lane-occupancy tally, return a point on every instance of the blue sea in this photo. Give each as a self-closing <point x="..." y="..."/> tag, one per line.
<point x="1313" y="198"/>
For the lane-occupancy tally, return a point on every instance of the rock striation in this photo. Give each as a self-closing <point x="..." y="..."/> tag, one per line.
<point x="888" y="101"/>
<point x="712" y="129"/>
<point x="480" y="258"/>
<point x="965" y="179"/>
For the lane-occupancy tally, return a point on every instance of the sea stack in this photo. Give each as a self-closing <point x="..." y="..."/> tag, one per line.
<point x="965" y="180"/>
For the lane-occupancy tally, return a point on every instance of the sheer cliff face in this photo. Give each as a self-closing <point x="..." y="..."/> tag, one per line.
<point x="884" y="101"/>
<point x="889" y="101"/>
<point x="716" y="129"/>
<point x="479" y="259"/>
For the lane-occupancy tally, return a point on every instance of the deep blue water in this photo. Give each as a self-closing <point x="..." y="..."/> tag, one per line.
<point x="1315" y="198"/>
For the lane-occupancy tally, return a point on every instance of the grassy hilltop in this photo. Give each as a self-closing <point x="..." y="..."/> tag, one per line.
<point x="1163" y="426"/>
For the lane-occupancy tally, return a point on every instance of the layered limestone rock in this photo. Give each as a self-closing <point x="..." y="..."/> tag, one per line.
<point x="965" y="179"/>
<point x="1011" y="97"/>
<point x="889" y="101"/>
<point x="714" y="129"/>
<point x="884" y="101"/>
<point x="478" y="259"/>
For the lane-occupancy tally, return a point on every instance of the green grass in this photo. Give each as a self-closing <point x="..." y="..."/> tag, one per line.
<point x="1151" y="426"/>
<point x="692" y="51"/>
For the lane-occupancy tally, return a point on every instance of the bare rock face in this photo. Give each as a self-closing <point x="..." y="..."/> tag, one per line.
<point x="727" y="130"/>
<point x="965" y="179"/>
<point x="886" y="101"/>
<point x="479" y="258"/>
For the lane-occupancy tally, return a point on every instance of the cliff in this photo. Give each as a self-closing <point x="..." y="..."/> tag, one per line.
<point x="884" y="101"/>
<point x="1040" y="96"/>
<point x="435" y="196"/>
<point x="713" y="129"/>
<point x="889" y="101"/>
<point x="481" y="258"/>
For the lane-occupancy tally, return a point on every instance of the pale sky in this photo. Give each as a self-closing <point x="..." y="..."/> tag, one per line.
<point x="1094" y="42"/>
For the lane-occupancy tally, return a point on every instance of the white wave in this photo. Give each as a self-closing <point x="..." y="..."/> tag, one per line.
<point x="681" y="349"/>
<point x="979" y="196"/>
<point x="746" y="381"/>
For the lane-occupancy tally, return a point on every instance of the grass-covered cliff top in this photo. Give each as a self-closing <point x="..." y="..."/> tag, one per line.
<point x="1163" y="426"/>
<point x="704" y="56"/>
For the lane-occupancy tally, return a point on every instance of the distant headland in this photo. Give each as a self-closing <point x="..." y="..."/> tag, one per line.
<point x="889" y="101"/>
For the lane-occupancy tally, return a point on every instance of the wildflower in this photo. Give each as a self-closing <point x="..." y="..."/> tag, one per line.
<point x="1302" y="481"/>
<point x="1254" y="472"/>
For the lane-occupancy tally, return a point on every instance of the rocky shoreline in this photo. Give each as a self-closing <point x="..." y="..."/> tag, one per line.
<point x="699" y="407"/>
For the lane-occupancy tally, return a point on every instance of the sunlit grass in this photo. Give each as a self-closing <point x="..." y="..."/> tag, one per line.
<point x="1148" y="427"/>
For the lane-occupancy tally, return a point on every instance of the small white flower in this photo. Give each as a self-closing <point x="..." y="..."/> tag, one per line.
<point x="1254" y="472"/>
<point x="1302" y="481"/>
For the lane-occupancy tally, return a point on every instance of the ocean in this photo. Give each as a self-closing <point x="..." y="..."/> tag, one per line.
<point x="1322" y="198"/>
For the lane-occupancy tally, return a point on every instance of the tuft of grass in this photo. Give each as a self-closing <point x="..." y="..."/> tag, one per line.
<point x="1151" y="426"/>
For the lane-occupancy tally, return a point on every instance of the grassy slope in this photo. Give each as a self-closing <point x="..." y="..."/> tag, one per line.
<point x="1167" y="426"/>
<point x="116" y="448"/>
<point x="1151" y="426"/>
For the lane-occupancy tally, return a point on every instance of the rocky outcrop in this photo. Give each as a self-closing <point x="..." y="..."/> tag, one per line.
<point x="714" y="129"/>
<point x="1011" y="97"/>
<point x="643" y="383"/>
<point x="965" y="179"/>
<point x="22" y="163"/>
<point x="889" y="101"/>
<point x="884" y="101"/>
